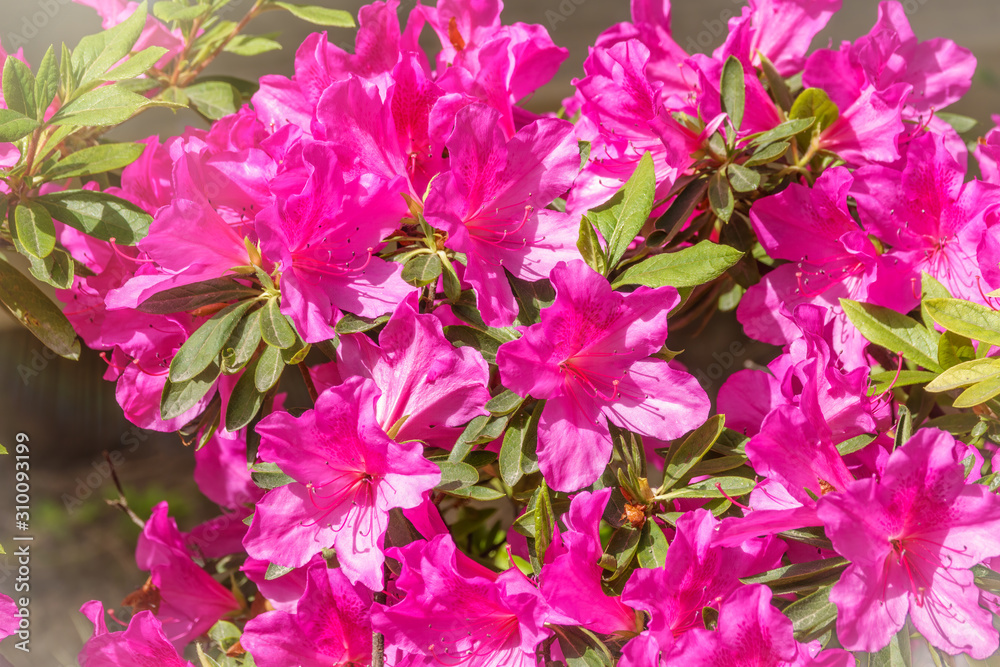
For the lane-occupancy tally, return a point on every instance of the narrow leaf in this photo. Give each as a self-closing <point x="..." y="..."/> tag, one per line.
<point x="275" y="328"/>
<point x="179" y="397"/>
<point x="14" y="125"/>
<point x="19" y="88"/>
<point x="623" y="216"/>
<point x="733" y="90"/>
<point x="205" y="344"/>
<point x="196" y="295"/>
<point x="269" y="368"/>
<point x="37" y="312"/>
<point x="966" y="319"/>
<point x="690" y="267"/>
<point x="95" y="160"/>
<point x="979" y="393"/>
<point x="893" y="331"/>
<point x="319" y="15"/>
<point x="686" y="455"/>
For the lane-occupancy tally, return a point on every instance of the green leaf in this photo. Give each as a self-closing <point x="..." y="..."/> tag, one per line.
<point x="269" y="476"/>
<point x="742" y="179"/>
<point x="19" y="88"/>
<point x="252" y="45"/>
<point x="930" y="288"/>
<point x="776" y="83"/>
<point x="102" y="107"/>
<point x="95" y="160"/>
<point x="274" y="571"/>
<point x="652" y="551"/>
<point x="351" y="323"/>
<point x="96" y="54"/>
<point x="480" y="493"/>
<point x="177" y="11"/>
<point x="786" y="130"/>
<point x="179" y="397"/>
<point x="244" y="403"/>
<point x="14" y="125"/>
<point x="814" y="103"/>
<point x="275" y="328"/>
<point x="519" y="443"/>
<point x="716" y="487"/>
<point x="956" y="424"/>
<point x="422" y="269"/>
<point x="196" y="295"/>
<point x="214" y="99"/>
<point x="812" y="614"/>
<point x="965" y="374"/>
<point x="98" y="214"/>
<point x="504" y="403"/>
<point x="979" y="393"/>
<point x="954" y="349"/>
<point x="681" y="209"/>
<point x="692" y="449"/>
<point x="801" y="576"/>
<point x="202" y="348"/>
<point x="136" y="65"/>
<point x="720" y="196"/>
<point x="768" y="154"/>
<point x="689" y="267"/>
<point x="855" y="444"/>
<point x="590" y="247"/>
<point x="622" y="217"/>
<point x="46" y="83"/>
<point x="37" y="312"/>
<point x="733" y="90"/>
<point x="35" y="231"/>
<point x="545" y="519"/>
<point x="960" y="124"/>
<point x="966" y="319"/>
<point x="319" y="15"/>
<point x="269" y="367"/>
<point x="904" y="379"/>
<point x="893" y="331"/>
<point x="242" y="344"/>
<point x="56" y="269"/>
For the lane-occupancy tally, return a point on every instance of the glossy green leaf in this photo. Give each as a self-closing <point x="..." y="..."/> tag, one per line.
<point x="716" y="487"/>
<point x="815" y="103"/>
<point x="456" y="475"/>
<point x="319" y="15"/>
<point x="519" y="439"/>
<point x="959" y="123"/>
<point x="652" y="551"/>
<point x="622" y="217"/>
<point x="589" y="246"/>
<point x="98" y="214"/>
<point x="95" y="160"/>
<point x="275" y="328"/>
<point x="252" y="45"/>
<point x="14" y="125"/>
<point x="895" y="332"/>
<point x="966" y="319"/>
<point x="681" y="209"/>
<point x="930" y="288"/>
<point x="812" y="614"/>
<point x="720" y="196"/>
<point x="102" y="107"/>
<point x="37" y="312"/>
<point x="179" y="397"/>
<point x="269" y="476"/>
<point x="136" y="65"/>
<point x="768" y="154"/>
<point x="954" y="349"/>
<point x="965" y="374"/>
<point x="46" y="83"/>
<point x="480" y="493"/>
<point x="214" y="99"/>
<point x="35" y="230"/>
<point x="979" y="393"/>
<point x="742" y="179"/>
<point x="504" y="403"/>
<point x="689" y="267"/>
<point x="269" y="367"/>
<point x="196" y="295"/>
<point x="97" y="53"/>
<point x="19" y="88"/>
<point x="244" y="403"/>
<point x="56" y="269"/>
<point x="242" y="344"/>
<point x="202" y="348"/>
<point x="422" y="269"/>
<point x="691" y="450"/>
<point x="733" y="90"/>
<point x="179" y="11"/>
<point x="786" y="130"/>
<point x="800" y="576"/>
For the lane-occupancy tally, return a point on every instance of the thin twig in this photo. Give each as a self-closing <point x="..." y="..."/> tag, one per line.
<point x="121" y="503"/>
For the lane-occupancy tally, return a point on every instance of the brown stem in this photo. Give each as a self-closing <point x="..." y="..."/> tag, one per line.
<point x="310" y="385"/>
<point x="254" y="11"/>
<point x="121" y="503"/>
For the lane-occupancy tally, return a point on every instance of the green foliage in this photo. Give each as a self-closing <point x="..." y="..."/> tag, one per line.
<point x="621" y="218"/>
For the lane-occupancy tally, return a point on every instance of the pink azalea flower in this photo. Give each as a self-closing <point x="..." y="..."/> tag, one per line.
<point x="429" y="388"/>
<point x="911" y="538"/>
<point x="190" y="600"/>
<point x="696" y="575"/>
<point x="8" y="618"/>
<point x="570" y="579"/>
<point x="141" y="644"/>
<point x="113" y="12"/>
<point x="492" y="204"/>
<point x="331" y="625"/>
<point x="324" y="232"/>
<point x="589" y="358"/>
<point x="753" y="633"/>
<point x="454" y="611"/>
<point x="348" y="474"/>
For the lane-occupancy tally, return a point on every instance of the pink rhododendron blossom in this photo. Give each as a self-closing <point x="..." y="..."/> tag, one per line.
<point x="330" y="625"/>
<point x="570" y="580"/>
<point x="8" y="616"/>
<point x="492" y="203"/>
<point x="190" y="600"/>
<point x="590" y="359"/>
<point x="751" y="632"/>
<point x="348" y="475"/>
<point x="451" y="610"/>
<point x="429" y="388"/>
<point x="141" y="644"/>
<point x="911" y="537"/>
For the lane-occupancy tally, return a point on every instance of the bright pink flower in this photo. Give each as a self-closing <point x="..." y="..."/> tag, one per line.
<point x="911" y="538"/>
<point x="492" y="203"/>
<point x="570" y="579"/>
<point x="752" y="633"/>
<point x="696" y="575"/>
<point x="429" y="388"/>
<point x="8" y="619"/>
<point x="348" y="474"/>
<point x="113" y="12"/>
<point x="331" y="625"/>
<point x="454" y="611"/>
<point x="590" y="359"/>
<point x="142" y="644"/>
<point x="191" y="601"/>
<point x="324" y="231"/>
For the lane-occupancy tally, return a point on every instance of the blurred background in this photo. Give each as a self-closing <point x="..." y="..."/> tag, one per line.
<point x="83" y="548"/>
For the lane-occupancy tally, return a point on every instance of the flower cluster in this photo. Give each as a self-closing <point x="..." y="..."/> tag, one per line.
<point x="476" y="299"/>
